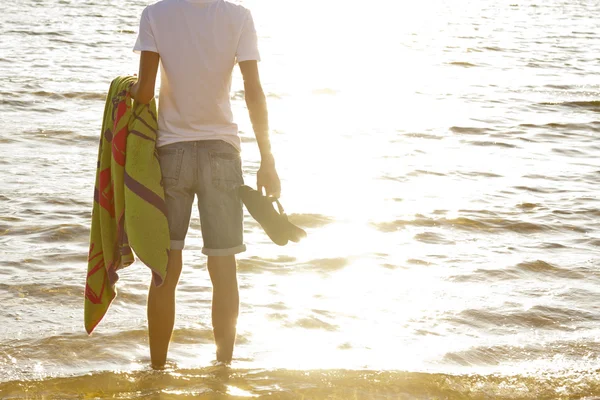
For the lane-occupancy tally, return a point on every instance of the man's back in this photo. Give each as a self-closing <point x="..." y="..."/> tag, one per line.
<point x="199" y="42"/>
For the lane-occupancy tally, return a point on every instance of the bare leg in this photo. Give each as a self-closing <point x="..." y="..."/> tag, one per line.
<point x="225" y="304"/>
<point x="161" y="311"/>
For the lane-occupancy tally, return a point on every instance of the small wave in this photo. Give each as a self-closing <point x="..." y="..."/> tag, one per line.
<point x="553" y="246"/>
<point x="423" y="136"/>
<point x="15" y="103"/>
<point x="594" y="242"/>
<point x="593" y="105"/>
<point x="71" y="95"/>
<point x="415" y="261"/>
<point x="327" y="264"/>
<point x="484" y="49"/>
<point x="538" y="317"/>
<point x="555" y="86"/>
<point x="469" y="131"/>
<point x="256" y="264"/>
<point x="313" y="323"/>
<point x="480" y="174"/>
<point x="484" y="225"/>
<point x="34" y="33"/>
<point x="73" y="42"/>
<point x="494" y="355"/>
<point x="420" y="172"/>
<point x="45" y="291"/>
<point x="542" y="267"/>
<point x="56" y="233"/>
<point x="535" y="189"/>
<point x="217" y="382"/>
<point x="432" y="238"/>
<point x="488" y="143"/>
<point x="282" y="265"/>
<point x="593" y="126"/>
<point x="569" y="152"/>
<point x="459" y="223"/>
<point x="525" y="227"/>
<point x="61" y="133"/>
<point x="536" y="268"/>
<point x="462" y="64"/>
<point x="528" y="206"/>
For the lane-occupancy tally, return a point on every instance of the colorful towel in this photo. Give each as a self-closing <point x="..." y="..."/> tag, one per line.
<point x="129" y="204"/>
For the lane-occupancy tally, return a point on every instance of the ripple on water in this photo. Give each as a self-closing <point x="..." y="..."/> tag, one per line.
<point x="531" y="269"/>
<point x="326" y="264"/>
<point x="312" y="323"/>
<point x="498" y="354"/>
<point x="479" y="174"/>
<point x="569" y="128"/>
<point x="537" y="317"/>
<point x="462" y="64"/>
<point x="421" y="172"/>
<point x="63" y="293"/>
<point x="484" y="143"/>
<point x="70" y="95"/>
<point x="432" y="238"/>
<point x="423" y="136"/>
<point x="222" y="382"/>
<point x="470" y="131"/>
<point x="593" y="105"/>
<point x="48" y="234"/>
<point x="455" y="223"/>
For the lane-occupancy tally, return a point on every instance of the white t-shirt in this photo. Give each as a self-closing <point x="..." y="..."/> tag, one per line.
<point x="199" y="43"/>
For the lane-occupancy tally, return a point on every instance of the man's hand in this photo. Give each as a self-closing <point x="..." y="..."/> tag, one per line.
<point x="267" y="178"/>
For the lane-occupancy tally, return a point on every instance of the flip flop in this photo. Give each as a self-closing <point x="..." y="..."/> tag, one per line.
<point x="275" y="224"/>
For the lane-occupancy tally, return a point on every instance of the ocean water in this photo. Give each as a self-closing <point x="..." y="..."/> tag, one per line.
<point x="442" y="155"/>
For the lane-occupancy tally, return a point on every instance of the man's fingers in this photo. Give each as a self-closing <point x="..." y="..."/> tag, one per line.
<point x="274" y="191"/>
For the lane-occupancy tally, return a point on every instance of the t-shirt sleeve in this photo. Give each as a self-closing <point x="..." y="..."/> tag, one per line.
<point x="145" y="40"/>
<point x="248" y="45"/>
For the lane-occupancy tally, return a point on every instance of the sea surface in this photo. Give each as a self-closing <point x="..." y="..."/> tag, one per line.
<point x="443" y="156"/>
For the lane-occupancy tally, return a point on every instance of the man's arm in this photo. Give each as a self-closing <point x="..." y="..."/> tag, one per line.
<point x="143" y="90"/>
<point x="257" y="108"/>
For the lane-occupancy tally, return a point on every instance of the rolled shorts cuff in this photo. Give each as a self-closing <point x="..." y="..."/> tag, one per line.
<point x="177" y="244"/>
<point x="224" y="252"/>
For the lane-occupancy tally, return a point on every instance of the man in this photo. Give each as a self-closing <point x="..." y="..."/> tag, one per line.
<point x="198" y="43"/>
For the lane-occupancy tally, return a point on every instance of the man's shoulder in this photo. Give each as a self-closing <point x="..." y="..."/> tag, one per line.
<point x="234" y="7"/>
<point x="230" y="7"/>
<point x="162" y="3"/>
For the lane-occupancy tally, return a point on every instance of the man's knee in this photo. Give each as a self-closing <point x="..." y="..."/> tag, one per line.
<point x="174" y="267"/>
<point x="223" y="272"/>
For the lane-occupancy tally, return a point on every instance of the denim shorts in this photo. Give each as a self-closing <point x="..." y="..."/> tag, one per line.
<point x="211" y="170"/>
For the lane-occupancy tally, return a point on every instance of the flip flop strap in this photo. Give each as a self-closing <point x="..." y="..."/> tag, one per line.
<point x="281" y="210"/>
<point x="279" y="206"/>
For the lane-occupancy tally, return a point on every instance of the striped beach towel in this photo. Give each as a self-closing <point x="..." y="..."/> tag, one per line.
<point x="129" y="210"/>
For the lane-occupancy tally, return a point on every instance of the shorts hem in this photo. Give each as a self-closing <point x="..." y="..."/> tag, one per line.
<point x="224" y="252"/>
<point x="177" y="244"/>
